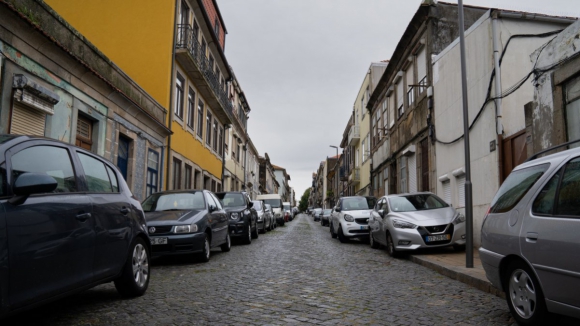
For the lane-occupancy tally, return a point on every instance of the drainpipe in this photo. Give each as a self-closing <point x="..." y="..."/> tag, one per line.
<point x="226" y="127"/>
<point x="498" y="108"/>
<point x="170" y="115"/>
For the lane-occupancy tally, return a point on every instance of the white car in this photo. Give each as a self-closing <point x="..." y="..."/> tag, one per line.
<point x="350" y="218"/>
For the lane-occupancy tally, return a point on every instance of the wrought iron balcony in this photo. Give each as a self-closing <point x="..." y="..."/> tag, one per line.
<point x="343" y="174"/>
<point x="355" y="176"/>
<point x="353" y="135"/>
<point x="188" y="52"/>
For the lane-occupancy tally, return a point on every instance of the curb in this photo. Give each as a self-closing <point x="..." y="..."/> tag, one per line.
<point x="460" y="274"/>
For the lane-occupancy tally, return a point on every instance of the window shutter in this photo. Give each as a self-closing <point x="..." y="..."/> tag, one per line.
<point x="422" y="64"/>
<point x="413" y="173"/>
<point x="461" y="190"/>
<point x="27" y="121"/>
<point x="447" y="191"/>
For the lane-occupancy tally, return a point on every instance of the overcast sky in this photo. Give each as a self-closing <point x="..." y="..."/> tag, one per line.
<point x="301" y="64"/>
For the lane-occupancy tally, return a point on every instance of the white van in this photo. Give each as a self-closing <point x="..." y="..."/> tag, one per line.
<point x="287" y="208"/>
<point x="275" y="201"/>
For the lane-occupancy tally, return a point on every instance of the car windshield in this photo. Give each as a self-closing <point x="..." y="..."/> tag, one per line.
<point x="357" y="203"/>
<point x="327" y="211"/>
<point x="275" y="203"/>
<point x="515" y="187"/>
<point x="257" y="205"/>
<point x="174" y="202"/>
<point x="231" y="199"/>
<point x="286" y="207"/>
<point x="420" y="202"/>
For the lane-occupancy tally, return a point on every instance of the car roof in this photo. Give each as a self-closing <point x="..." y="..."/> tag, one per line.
<point x="552" y="158"/>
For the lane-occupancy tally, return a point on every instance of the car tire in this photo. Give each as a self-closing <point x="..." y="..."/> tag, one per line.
<point x="255" y="232"/>
<point x="227" y="245"/>
<point x="372" y="242"/>
<point x="391" y="250"/>
<point x="206" y="253"/>
<point x="332" y="234"/>
<point x="341" y="236"/>
<point x="135" y="276"/>
<point x="524" y="295"/>
<point x="248" y="237"/>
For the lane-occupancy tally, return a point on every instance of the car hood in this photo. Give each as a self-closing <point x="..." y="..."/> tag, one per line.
<point x="427" y="217"/>
<point x="234" y="209"/>
<point x="170" y="217"/>
<point x="359" y="213"/>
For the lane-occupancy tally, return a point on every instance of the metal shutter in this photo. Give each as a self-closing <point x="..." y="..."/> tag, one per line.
<point x="27" y="121"/>
<point x="413" y="173"/>
<point x="447" y="191"/>
<point x="461" y="190"/>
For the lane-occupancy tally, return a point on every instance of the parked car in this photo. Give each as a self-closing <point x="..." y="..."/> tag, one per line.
<point x="309" y="210"/>
<point x="407" y="222"/>
<point x="294" y="212"/>
<point x="275" y="201"/>
<point x="186" y="222"/>
<point x="316" y="214"/>
<point x="351" y="217"/>
<point x="529" y="238"/>
<point x="269" y="211"/>
<point x="288" y="216"/>
<point x="68" y="222"/>
<point x="325" y="216"/>
<point x="243" y="218"/>
<point x="264" y="216"/>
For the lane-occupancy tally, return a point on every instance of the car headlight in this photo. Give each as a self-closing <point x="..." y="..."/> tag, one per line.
<point x="185" y="228"/>
<point x="348" y="218"/>
<point x="459" y="218"/>
<point x="260" y="217"/>
<point x="234" y="215"/>
<point x="399" y="224"/>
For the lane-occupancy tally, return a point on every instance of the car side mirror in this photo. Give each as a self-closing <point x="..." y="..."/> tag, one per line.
<point x="31" y="183"/>
<point x="381" y="213"/>
<point x="337" y="209"/>
<point x="212" y="208"/>
<point x="250" y="205"/>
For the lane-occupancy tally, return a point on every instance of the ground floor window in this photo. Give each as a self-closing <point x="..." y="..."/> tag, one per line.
<point x="152" y="172"/>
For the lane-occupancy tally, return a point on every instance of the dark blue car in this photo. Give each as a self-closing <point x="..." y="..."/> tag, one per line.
<point x="68" y="222"/>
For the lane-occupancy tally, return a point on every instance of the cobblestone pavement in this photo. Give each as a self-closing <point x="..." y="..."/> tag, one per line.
<point x="296" y="274"/>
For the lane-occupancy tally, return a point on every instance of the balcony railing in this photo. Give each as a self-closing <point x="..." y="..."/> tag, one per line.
<point x="186" y="40"/>
<point x="342" y="174"/>
<point x="353" y="135"/>
<point x="355" y="176"/>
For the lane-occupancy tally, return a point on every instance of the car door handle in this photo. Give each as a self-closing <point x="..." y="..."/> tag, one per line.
<point x="124" y="211"/>
<point x="83" y="216"/>
<point x="532" y="237"/>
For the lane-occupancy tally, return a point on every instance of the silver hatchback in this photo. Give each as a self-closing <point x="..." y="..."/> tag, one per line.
<point x="530" y="243"/>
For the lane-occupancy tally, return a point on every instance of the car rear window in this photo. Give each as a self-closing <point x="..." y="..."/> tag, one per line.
<point x="515" y="187"/>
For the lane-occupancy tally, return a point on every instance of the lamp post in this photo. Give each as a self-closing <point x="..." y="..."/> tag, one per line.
<point x="335" y="191"/>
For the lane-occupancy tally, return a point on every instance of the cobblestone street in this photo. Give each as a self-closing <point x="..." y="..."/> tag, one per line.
<point x="294" y="274"/>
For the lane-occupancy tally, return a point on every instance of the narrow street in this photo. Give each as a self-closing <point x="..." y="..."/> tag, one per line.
<point x="294" y="274"/>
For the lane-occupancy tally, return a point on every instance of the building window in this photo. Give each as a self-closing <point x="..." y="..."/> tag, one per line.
<point x="239" y="153"/>
<point x="188" y="172"/>
<point x="385" y="123"/>
<point x="176" y="173"/>
<point x="446" y="191"/>
<point x="216" y="28"/>
<point x="178" y="110"/>
<point x="215" y="135"/>
<point x="196" y="179"/>
<point x="400" y="101"/>
<point x="123" y="155"/>
<point x="203" y="47"/>
<point x="84" y="138"/>
<point x="200" y="118"/>
<point x="208" y="118"/>
<point x="573" y="110"/>
<point x="211" y="63"/>
<point x="221" y="141"/>
<point x="190" y="108"/>
<point x="422" y="70"/>
<point x="195" y="30"/>
<point x="410" y="88"/>
<point x="460" y="180"/>
<point x="213" y="186"/>
<point x="152" y="172"/>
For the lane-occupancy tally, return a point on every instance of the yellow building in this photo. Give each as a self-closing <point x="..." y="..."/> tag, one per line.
<point x="174" y="51"/>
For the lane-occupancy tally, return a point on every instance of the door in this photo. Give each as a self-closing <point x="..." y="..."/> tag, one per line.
<point x="514" y="152"/>
<point x="549" y="236"/>
<point x="218" y="220"/>
<point x="51" y="236"/>
<point x="424" y="165"/>
<point x="123" y="156"/>
<point x="111" y="213"/>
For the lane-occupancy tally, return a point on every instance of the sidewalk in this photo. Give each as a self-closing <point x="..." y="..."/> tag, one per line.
<point x="452" y="264"/>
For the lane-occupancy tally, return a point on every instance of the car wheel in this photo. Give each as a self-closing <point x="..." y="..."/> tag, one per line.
<point x="228" y="245"/>
<point x="341" y="236"/>
<point x="372" y="242"/>
<point x="205" y="254"/>
<point x="391" y="246"/>
<point x="255" y="233"/>
<point x="248" y="238"/>
<point x="332" y="234"/>
<point x="524" y="295"/>
<point x="134" y="278"/>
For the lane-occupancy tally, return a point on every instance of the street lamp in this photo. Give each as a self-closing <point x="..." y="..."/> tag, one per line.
<point x="336" y="150"/>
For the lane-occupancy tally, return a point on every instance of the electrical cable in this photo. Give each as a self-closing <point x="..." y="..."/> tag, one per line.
<point x="511" y="89"/>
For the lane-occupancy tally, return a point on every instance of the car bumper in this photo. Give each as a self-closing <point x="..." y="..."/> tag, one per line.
<point x="355" y="230"/>
<point x="411" y="239"/>
<point x="491" y="261"/>
<point x="238" y="229"/>
<point x="261" y="224"/>
<point x="179" y="244"/>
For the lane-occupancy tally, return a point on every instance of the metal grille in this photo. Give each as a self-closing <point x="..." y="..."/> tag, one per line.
<point x="84" y="128"/>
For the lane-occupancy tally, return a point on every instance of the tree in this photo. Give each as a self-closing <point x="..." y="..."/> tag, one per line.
<point x="303" y="205"/>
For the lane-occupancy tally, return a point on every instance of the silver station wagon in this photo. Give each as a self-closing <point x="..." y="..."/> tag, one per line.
<point x="530" y="243"/>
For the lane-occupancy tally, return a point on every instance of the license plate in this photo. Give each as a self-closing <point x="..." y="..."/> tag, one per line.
<point x="158" y="241"/>
<point x="440" y="237"/>
<point x="364" y="227"/>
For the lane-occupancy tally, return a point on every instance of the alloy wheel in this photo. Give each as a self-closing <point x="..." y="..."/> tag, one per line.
<point x="140" y="264"/>
<point x="522" y="293"/>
